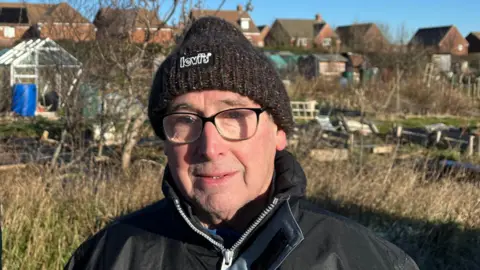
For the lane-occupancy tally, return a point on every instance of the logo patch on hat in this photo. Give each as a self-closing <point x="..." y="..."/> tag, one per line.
<point x="200" y="59"/>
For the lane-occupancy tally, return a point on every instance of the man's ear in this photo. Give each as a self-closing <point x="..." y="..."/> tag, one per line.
<point x="281" y="140"/>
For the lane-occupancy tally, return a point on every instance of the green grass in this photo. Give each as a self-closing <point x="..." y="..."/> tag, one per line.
<point x="31" y="128"/>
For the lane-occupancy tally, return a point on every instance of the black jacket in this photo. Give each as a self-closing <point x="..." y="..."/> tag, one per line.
<point x="291" y="233"/>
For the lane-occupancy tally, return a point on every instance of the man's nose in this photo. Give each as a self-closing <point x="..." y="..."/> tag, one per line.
<point x="212" y="144"/>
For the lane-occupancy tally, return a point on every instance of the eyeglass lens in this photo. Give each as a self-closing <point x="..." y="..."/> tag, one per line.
<point x="235" y="124"/>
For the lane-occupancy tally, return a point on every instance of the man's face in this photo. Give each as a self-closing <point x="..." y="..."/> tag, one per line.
<point x="216" y="174"/>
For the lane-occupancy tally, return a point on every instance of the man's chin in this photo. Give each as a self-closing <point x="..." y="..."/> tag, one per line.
<point x="219" y="206"/>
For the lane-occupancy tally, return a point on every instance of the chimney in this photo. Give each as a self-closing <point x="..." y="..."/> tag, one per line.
<point x="318" y="17"/>
<point x="239" y="8"/>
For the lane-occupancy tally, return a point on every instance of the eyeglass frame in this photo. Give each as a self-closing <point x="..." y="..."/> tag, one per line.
<point x="211" y="119"/>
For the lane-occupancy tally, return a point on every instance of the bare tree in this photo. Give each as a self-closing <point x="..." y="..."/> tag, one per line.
<point x="117" y="55"/>
<point x="118" y="63"/>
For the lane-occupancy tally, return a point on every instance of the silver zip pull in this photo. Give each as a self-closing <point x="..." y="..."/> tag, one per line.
<point x="227" y="259"/>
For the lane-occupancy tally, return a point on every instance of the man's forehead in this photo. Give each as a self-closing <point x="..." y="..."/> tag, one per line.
<point x="212" y="97"/>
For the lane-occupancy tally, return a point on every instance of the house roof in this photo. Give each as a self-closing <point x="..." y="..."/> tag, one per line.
<point x="121" y="19"/>
<point x="146" y="18"/>
<point x="355" y="59"/>
<point x="330" y="58"/>
<point x="40" y="13"/>
<point x="278" y="61"/>
<point x="476" y="34"/>
<point x="261" y="27"/>
<point x="300" y="27"/>
<point x="232" y="16"/>
<point x="291" y="59"/>
<point x="346" y="31"/>
<point x="430" y="36"/>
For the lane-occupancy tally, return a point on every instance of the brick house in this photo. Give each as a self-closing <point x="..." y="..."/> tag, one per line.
<point x="473" y="40"/>
<point x="302" y="33"/>
<point x="264" y="29"/>
<point x="55" y="21"/>
<point x="135" y="24"/>
<point x="444" y="39"/>
<point x="239" y="17"/>
<point x="363" y="37"/>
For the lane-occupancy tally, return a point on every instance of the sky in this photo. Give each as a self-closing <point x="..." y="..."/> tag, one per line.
<point x="464" y="14"/>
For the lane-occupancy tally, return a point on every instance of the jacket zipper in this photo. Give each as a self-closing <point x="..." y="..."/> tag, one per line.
<point x="228" y="254"/>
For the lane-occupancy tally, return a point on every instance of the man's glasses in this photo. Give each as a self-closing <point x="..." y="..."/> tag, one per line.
<point x="233" y="124"/>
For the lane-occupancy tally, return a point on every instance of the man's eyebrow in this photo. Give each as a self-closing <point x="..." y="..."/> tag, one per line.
<point x="182" y="106"/>
<point x="234" y="102"/>
<point x="189" y="107"/>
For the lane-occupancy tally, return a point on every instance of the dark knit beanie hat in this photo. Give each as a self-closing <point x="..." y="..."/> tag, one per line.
<point x="215" y="55"/>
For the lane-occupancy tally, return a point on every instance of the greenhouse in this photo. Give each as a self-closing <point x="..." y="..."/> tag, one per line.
<point x="26" y="60"/>
<point x="40" y="63"/>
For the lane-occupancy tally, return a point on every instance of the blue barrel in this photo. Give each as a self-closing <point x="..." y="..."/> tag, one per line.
<point x="24" y="100"/>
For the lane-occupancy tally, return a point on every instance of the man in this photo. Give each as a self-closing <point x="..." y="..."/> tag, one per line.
<point x="234" y="196"/>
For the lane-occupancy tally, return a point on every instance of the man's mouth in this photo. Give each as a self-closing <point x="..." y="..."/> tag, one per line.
<point x="214" y="177"/>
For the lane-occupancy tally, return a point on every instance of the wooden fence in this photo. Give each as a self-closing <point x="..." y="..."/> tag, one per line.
<point x="304" y="110"/>
<point x="469" y="85"/>
<point x="472" y="87"/>
<point x="469" y="142"/>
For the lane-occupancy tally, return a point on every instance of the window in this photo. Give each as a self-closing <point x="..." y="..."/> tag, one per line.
<point x="13" y="15"/>
<point x="9" y="32"/>
<point x="245" y="23"/>
<point x="302" y="42"/>
<point x="327" y="42"/>
<point x="460" y="47"/>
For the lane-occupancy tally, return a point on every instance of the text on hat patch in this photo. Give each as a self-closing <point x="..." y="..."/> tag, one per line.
<point x="199" y="59"/>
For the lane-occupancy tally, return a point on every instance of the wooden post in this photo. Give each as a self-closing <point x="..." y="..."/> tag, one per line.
<point x="425" y="73"/>
<point x="469" y="86"/>
<point x="372" y="127"/>
<point x="344" y="123"/>
<point x="478" y="145"/>
<point x="399" y="132"/>
<point x="351" y="141"/>
<point x="478" y="87"/>
<point x="460" y="82"/>
<point x="438" y="136"/>
<point x="397" y="85"/>
<point x="471" y="142"/>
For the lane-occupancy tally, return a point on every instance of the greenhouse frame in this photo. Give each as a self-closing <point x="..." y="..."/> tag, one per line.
<point x="29" y="56"/>
<point x="41" y="62"/>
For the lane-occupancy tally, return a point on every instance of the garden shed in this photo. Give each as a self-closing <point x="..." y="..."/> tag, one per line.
<point x="39" y="62"/>
<point x="278" y="62"/>
<point x="315" y="65"/>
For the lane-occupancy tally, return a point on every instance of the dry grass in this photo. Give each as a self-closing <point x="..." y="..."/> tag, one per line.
<point x="46" y="215"/>
<point x="398" y="191"/>
<point x="381" y="97"/>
